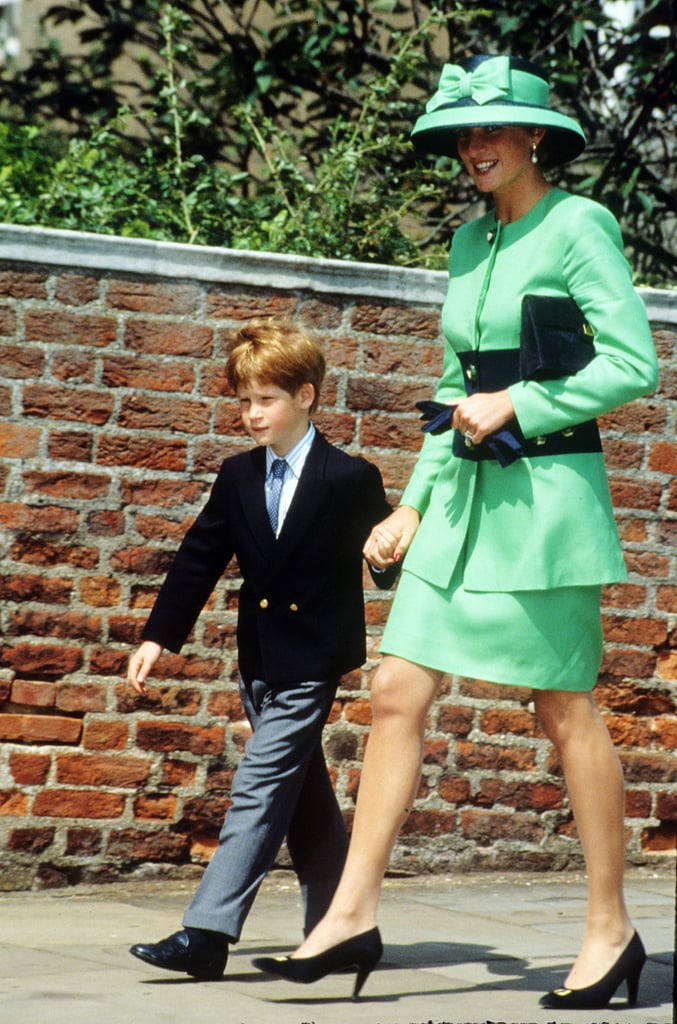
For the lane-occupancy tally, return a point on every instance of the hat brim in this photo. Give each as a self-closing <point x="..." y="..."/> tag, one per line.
<point x="435" y="132"/>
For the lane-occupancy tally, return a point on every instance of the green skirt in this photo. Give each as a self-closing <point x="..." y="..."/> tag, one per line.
<point x="542" y="639"/>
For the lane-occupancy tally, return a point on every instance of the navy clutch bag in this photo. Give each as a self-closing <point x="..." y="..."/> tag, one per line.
<point x="555" y="339"/>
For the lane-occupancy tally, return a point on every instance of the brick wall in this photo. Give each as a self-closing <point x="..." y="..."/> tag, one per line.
<point x="114" y="420"/>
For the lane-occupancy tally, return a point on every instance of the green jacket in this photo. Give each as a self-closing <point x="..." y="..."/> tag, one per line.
<point x="547" y="521"/>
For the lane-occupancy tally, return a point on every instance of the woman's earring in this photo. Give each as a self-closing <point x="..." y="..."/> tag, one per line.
<point x="534" y="154"/>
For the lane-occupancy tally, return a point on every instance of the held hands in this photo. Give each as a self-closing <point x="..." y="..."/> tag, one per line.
<point x="141" y="663"/>
<point x="482" y="414"/>
<point x="389" y="540"/>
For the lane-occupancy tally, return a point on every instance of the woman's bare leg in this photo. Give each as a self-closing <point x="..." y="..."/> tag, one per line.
<point x="594" y="780"/>
<point x="401" y="697"/>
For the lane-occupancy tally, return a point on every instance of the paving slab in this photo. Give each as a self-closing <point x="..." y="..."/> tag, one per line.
<point x="468" y="949"/>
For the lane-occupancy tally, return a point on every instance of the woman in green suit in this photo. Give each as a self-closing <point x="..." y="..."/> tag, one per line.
<point x="507" y="523"/>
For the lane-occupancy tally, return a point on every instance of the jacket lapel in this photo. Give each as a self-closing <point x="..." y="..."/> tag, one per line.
<point x="309" y="495"/>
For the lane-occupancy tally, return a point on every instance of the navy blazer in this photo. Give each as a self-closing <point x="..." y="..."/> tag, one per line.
<point x="301" y="604"/>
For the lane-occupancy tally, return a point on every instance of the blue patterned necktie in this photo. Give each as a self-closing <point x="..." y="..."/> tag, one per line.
<point x="278" y="469"/>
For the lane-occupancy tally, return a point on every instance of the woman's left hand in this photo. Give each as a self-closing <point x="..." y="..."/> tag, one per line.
<point x="482" y="414"/>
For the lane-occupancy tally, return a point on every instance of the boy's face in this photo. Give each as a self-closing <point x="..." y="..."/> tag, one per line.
<point x="273" y="416"/>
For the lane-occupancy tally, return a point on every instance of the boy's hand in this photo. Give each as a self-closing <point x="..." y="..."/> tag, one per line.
<point x="141" y="663"/>
<point x="389" y="540"/>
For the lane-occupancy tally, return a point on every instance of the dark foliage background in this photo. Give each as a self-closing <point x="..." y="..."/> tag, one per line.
<point x="285" y="126"/>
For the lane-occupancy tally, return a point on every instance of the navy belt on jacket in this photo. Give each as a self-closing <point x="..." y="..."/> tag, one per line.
<point x="495" y="370"/>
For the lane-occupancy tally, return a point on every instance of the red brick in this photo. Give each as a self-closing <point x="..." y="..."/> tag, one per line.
<point x="426" y="822"/>
<point x="42" y="660"/>
<point x="661" y="839"/>
<point x="358" y="712"/>
<point x="243" y="305"/>
<point x="637" y="803"/>
<point x="18" y="441"/>
<point x="396" y="320"/>
<point x="152" y="296"/>
<point x="171" y="736"/>
<point x="663" y="457"/>
<point x="647" y="563"/>
<point x="152" y="412"/>
<point x="178" y="773"/>
<point x="107" y="662"/>
<point x="627" y="492"/>
<point x="338" y="428"/>
<point x="17" y="728"/>
<point x="31" y="840"/>
<point x="73" y="803"/>
<point x="622" y="629"/>
<point x="453" y="790"/>
<point x="155" y="807"/>
<point x="205" y="813"/>
<point x="102" y="770"/>
<point x="639" y="417"/>
<point x="371" y="393"/>
<point x="665" y="732"/>
<point x="62" y="328"/>
<point x="173" y="700"/>
<point x="8" y="321"/>
<point x="382" y="431"/>
<point x="87" y="841"/>
<point x="74" y="367"/>
<point x="76" y="289"/>
<point x="170" y="338"/>
<point x="23" y="284"/>
<point x="144" y="374"/>
<point x="162" y="493"/>
<point x="486" y="827"/>
<point x="647" y="766"/>
<point x="666" y="806"/>
<point x="39" y="695"/>
<point x="620" y="454"/>
<point x="138" y="845"/>
<point x="75" y="486"/>
<point x="456" y="720"/>
<point x="36" y="550"/>
<point x="411" y="358"/>
<point x="101" y="735"/>
<point x="133" y="450"/>
<point x="35" y="588"/>
<point x="83" y="405"/>
<point x="29" y="769"/>
<point x="21" y="361"/>
<point x="70" y="445"/>
<point x="66" y="625"/>
<point x="100" y="591"/>
<point x="105" y="523"/>
<point x="518" y="722"/>
<point x="626" y="662"/>
<point x="623" y="595"/>
<point x="13" y="804"/>
<point x="534" y="796"/>
<point x="480" y="755"/>
<point x="79" y="698"/>
<point x="666" y="667"/>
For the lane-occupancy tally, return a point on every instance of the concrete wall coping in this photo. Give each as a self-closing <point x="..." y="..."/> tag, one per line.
<point x="213" y="264"/>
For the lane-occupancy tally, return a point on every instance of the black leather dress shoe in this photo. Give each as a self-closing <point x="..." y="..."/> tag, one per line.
<point x="203" y="955"/>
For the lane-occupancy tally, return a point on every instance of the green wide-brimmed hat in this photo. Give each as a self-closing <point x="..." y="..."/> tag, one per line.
<point x="490" y="90"/>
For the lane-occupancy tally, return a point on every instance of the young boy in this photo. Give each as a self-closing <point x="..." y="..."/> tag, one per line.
<point x="295" y="512"/>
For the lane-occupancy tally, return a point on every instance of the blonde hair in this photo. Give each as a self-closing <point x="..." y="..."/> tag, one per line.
<point x="279" y="352"/>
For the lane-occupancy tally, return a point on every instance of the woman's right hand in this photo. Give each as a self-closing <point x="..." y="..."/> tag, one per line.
<point x="389" y="540"/>
<point x="141" y="663"/>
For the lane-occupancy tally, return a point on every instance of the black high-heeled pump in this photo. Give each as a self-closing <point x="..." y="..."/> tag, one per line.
<point x="362" y="952"/>
<point x="627" y="968"/>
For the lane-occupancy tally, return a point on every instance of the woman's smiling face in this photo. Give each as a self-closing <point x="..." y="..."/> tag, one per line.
<point x="497" y="156"/>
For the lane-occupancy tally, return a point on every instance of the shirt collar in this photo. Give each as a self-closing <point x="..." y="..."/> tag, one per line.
<point x="297" y="456"/>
